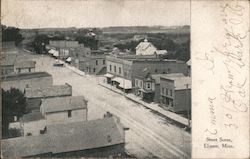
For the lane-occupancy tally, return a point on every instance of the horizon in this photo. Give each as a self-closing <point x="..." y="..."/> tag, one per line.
<point x="38" y="14"/>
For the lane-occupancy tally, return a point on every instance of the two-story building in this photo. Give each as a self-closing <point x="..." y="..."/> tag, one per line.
<point x="175" y="93"/>
<point x="148" y="86"/>
<point x="93" y="62"/>
<point x="121" y="70"/>
<point x="34" y="96"/>
<point x="25" y="66"/>
<point x="64" y="110"/>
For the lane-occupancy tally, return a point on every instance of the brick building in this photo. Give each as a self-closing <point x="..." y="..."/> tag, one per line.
<point x="175" y="93"/>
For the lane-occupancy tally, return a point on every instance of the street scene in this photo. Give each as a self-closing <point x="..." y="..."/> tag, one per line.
<point x="96" y="92"/>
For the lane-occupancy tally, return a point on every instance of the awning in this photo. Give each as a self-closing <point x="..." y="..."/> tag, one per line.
<point x="109" y="75"/>
<point x="68" y="59"/>
<point x="123" y="83"/>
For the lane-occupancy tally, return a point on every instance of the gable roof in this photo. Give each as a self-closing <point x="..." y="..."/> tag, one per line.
<point x="144" y="45"/>
<point x="57" y="104"/>
<point x="92" y="134"/>
<point x="53" y="91"/>
<point x="67" y="137"/>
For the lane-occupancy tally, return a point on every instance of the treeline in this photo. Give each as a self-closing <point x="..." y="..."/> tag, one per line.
<point x="11" y="34"/>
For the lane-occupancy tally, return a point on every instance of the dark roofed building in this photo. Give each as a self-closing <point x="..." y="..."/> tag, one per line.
<point x="67" y="109"/>
<point x="96" y="138"/>
<point x="49" y="92"/>
<point x="24" y="66"/>
<point x="25" y="80"/>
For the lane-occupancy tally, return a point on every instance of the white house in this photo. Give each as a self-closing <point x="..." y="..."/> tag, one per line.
<point x="145" y="48"/>
<point x="63" y="110"/>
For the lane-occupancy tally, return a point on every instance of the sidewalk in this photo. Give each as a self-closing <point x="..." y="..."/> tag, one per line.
<point x="177" y="119"/>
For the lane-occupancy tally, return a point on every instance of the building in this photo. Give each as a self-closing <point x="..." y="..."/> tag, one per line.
<point x="26" y="80"/>
<point x="175" y="93"/>
<point x="32" y="124"/>
<point x="93" y="63"/>
<point x="64" y="110"/>
<point x="145" y="48"/>
<point x="24" y="66"/>
<point x="62" y="48"/>
<point x="99" y="138"/>
<point x="148" y="86"/>
<point x="9" y="55"/>
<point x="121" y="70"/>
<point x="34" y="95"/>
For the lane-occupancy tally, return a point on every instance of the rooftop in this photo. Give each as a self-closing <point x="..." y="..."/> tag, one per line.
<point x="53" y="91"/>
<point x="92" y="134"/>
<point x="67" y="137"/>
<point x="180" y="83"/>
<point x="63" y="104"/>
<point x="157" y="77"/>
<point x="22" y="76"/>
<point x="25" y="64"/>
<point x="34" y="116"/>
<point x="144" y="45"/>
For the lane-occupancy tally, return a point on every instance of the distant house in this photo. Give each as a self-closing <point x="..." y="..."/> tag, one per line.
<point x="175" y="93"/>
<point x="100" y="138"/>
<point x="64" y="110"/>
<point x="25" y="66"/>
<point x="148" y="86"/>
<point x="145" y="48"/>
<point x="26" y="80"/>
<point x="34" y="95"/>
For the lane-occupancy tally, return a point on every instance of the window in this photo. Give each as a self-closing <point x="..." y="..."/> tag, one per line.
<point x="120" y="70"/>
<point x="166" y="91"/>
<point x="162" y="90"/>
<point x="140" y="83"/>
<point x="169" y="71"/>
<point x="148" y="85"/>
<point x="93" y="69"/>
<point x="156" y="70"/>
<point x="110" y="67"/>
<point x="69" y="114"/>
<point x="19" y="70"/>
<point x="29" y="69"/>
<point x="171" y="93"/>
<point x="167" y="101"/>
<point x="96" y="62"/>
<point x="103" y="62"/>
<point x="136" y="82"/>
<point x="114" y="68"/>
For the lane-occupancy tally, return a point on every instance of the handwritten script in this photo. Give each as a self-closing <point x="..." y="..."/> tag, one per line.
<point x="230" y="52"/>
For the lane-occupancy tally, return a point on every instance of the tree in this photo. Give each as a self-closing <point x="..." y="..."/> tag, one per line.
<point x="13" y="104"/>
<point x="90" y="42"/>
<point x="11" y="34"/>
<point x="39" y="43"/>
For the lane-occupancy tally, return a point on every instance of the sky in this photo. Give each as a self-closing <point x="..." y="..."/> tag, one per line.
<point x="94" y="13"/>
